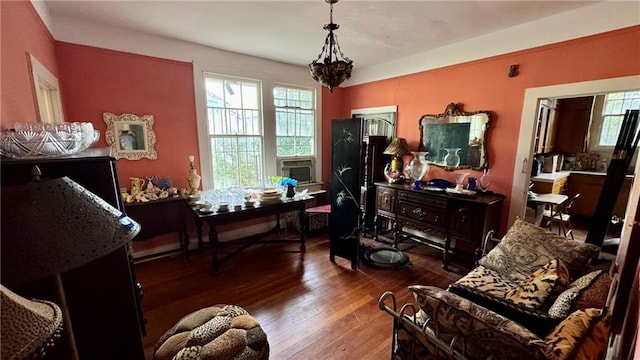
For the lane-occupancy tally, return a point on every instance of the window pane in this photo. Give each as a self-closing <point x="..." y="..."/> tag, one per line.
<point x="295" y="121"/>
<point x="234" y="122"/>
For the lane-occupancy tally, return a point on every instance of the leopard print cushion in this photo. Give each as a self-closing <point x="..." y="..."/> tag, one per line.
<point x="595" y="294"/>
<point x="218" y="332"/>
<point x="486" y="280"/>
<point x="564" y="304"/>
<point x="526" y="247"/>
<point x="486" y="334"/>
<point x="534" y="291"/>
<point x="563" y="341"/>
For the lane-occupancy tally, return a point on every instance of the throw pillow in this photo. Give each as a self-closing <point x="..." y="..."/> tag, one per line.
<point x="595" y="294"/>
<point x="594" y="344"/>
<point x="485" y="280"/>
<point x="534" y="291"/>
<point x="527" y="247"/>
<point x="564" y="304"/>
<point x="564" y="340"/>
<point x="486" y="334"/>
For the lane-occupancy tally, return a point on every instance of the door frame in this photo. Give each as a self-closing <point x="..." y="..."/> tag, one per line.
<point x="522" y="166"/>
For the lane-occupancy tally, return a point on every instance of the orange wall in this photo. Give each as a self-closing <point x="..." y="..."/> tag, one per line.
<point x="484" y="85"/>
<point x="95" y="81"/>
<point x="22" y="33"/>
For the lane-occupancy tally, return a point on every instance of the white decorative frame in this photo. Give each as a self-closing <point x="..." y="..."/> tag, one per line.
<point x="130" y="136"/>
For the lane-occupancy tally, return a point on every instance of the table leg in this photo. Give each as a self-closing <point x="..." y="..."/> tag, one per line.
<point x="303" y="227"/>
<point x="277" y="229"/>
<point x="184" y="245"/>
<point x="199" y="230"/>
<point x="213" y="247"/>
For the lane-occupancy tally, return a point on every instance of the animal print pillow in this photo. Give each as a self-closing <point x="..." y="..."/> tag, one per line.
<point x="564" y="340"/>
<point x="534" y="291"/>
<point x="526" y="248"/>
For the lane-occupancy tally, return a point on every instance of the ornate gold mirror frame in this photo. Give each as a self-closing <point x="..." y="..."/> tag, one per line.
<point x="130" y="136"/>
<point x="455" y="139"/>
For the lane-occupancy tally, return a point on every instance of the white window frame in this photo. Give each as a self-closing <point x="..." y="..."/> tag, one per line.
<point x="47" y="93"/>
<point x="606" y="117"/>
<point x="211" y="136"/>
<point x="313" y="110"/>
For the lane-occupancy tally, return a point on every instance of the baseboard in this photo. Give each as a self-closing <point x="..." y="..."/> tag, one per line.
<point x="173" y="248"/>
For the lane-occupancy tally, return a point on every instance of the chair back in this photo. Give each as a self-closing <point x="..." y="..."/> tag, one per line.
<point x="566" y="205"/>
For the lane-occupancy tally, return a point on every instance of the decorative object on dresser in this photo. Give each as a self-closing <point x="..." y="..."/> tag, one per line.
<point x="456" y="225"/>
<point x="455" y="139"/>
<point x="130" y="136"/>
<point x="344" y="220"/>
<point x="103" y="295"/>
<point x="417" y="168"/>
<point x="397" y="149"/>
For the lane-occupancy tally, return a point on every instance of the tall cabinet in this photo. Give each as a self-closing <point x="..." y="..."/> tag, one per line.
<point x="372" y="163"/>
<point x="103" y="297"/>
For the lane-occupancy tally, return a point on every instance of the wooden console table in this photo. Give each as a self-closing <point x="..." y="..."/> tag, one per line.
<point x="220" y="218"/>
<point x="455" y="225"/>
<point x="159" y="217"/>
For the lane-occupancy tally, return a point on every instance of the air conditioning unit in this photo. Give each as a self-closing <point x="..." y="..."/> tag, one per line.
<point x="301" y="169"/>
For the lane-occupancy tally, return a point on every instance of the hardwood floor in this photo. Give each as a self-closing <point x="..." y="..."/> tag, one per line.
<point x="309" y="307"/>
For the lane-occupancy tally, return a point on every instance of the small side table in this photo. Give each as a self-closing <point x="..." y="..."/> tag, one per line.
<point x="159" y="217"/>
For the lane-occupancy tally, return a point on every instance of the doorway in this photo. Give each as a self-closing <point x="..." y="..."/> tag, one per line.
<point x="522" y="168"/>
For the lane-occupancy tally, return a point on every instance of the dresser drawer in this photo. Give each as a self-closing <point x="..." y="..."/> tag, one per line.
<point x="422" y="213"/>
<point x="423" y="199"/>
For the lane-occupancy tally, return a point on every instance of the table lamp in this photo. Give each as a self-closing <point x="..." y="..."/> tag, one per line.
<point x="49" y="227"/>
<point x="397" y="148"/>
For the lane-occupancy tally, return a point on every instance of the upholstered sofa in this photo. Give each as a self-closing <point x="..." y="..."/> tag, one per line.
<point x="535" y="295"/>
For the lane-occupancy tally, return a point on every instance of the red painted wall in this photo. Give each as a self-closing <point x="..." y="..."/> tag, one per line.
<point x="95" y="81"/>
<point x="22" y="33"/>
<point x="484" y="85"/>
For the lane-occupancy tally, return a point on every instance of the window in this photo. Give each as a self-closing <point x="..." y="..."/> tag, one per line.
<point x="234" y="123"/>
<point x="615" y="105"/>
<point x="295" y="121"/>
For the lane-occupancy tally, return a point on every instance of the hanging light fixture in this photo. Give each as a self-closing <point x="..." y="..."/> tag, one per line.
<point x="331" y="67"/>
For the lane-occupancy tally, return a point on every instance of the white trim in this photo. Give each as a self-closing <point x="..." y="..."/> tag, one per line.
<point x="522" y="165"/>
<point x="375" y="110"/>
<point x="47" y="93"/>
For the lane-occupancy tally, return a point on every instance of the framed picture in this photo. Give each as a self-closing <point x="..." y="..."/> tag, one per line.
<point x="130" y="136"/>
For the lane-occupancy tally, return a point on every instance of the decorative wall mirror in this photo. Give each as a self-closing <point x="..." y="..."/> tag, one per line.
<point x="130" y="136"/>
<point x="455" y="139"/>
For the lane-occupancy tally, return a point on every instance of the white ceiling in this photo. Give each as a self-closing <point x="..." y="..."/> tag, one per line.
<point x="371" y="32"/>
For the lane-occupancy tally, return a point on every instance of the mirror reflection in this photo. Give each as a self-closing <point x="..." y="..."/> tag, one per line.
<point x="455" y="139"/>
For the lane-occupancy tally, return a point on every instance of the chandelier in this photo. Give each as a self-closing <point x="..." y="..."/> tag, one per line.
<point x="331" y="67"/>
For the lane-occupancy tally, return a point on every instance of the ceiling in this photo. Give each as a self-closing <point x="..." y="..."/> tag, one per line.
<point x="370" y="33"/>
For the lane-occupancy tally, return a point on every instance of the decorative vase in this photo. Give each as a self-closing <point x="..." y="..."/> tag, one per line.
<point x="417" y="168"/>
<point x="452" y="158"/>
<point x="291" y="191"/>
<point x="472" y="183"/>
<point x="193" y="179"/>
<point x="485" y="181"/>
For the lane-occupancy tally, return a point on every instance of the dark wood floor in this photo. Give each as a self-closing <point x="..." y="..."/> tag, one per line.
<point x="309" y="307"/>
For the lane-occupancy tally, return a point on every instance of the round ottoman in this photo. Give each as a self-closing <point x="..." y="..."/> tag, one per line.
<point x="218" y="332"/>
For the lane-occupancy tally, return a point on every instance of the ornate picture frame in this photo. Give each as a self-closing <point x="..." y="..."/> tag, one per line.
<point x="130" y="136"/>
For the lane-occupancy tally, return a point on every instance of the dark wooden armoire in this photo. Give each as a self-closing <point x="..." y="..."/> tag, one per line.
<point x="372" y="165"/>
<point x="103" y="296"/>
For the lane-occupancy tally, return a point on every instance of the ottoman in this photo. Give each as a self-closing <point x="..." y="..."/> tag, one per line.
<point x="218" y="332"/>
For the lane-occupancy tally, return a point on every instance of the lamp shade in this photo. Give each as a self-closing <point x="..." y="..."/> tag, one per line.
<point x="28" y="326"/>
<point x="51" y="226"/>
<point x="397" y="147"/>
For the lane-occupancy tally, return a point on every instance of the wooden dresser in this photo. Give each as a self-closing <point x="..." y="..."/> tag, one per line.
<point x="454" y="225"/>
<point x="103" y="296"/>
